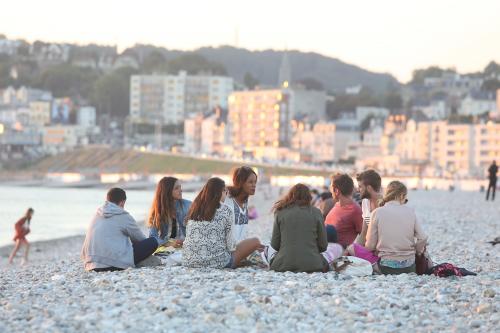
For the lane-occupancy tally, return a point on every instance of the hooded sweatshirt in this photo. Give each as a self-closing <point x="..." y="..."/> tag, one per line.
<point x="108" y="242"/>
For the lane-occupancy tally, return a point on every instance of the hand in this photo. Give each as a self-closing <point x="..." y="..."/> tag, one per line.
<point x="178" y="243"/>
<point x="261" y="248"/>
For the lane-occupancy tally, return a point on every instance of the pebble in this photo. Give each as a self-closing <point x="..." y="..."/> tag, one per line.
<point x="483" y="308"/>
<point x="489" y="293"/>
<point x="34" y="298"/>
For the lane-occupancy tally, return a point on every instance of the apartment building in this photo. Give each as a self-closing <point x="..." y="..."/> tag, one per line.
<point x="172" y="98"/>
<point x="259" y="118"/>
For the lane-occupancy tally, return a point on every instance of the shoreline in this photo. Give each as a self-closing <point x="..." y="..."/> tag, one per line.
<point x="41" y="243"/>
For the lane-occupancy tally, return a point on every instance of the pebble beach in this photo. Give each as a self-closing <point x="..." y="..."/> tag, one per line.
<point x="54" y="294"/>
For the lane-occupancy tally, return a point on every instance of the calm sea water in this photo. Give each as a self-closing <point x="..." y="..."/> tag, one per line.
<point x="61" y="212"/>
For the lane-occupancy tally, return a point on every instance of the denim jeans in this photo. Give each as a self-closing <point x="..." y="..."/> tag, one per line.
<point x="144" y="249"/>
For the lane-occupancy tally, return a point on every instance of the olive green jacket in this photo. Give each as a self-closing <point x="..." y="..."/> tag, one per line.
<point x="299" y="236"/>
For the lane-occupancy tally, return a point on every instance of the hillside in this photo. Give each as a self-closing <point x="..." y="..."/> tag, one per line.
<point x="98" y="160"/>
<point x="264" y="66"/>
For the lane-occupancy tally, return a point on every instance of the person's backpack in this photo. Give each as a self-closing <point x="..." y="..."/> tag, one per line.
<point x="447" y="269"/>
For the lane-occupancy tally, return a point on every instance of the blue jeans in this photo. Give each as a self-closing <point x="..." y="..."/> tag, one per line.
<point x="144" y="249"/>
<point x="331" y="234"/>
<point x="230" y="264"/>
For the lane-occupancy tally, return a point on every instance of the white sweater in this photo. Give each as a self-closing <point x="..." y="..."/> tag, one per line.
<point x="394" y="232"/>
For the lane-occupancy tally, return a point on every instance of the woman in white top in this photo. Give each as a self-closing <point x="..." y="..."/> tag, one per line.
<point x="244" y="184"/>
<point x="209" y="241"/>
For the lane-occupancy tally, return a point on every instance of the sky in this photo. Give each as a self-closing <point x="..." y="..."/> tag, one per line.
<point x="392" y="36"/>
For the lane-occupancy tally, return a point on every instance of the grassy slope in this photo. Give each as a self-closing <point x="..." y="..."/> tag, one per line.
<point x="115" y="160"/>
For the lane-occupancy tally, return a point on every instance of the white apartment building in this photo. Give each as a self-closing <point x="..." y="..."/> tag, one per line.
<point x="324" y="142"/>
<point x="61" y="138"/>
<point x="461" y="149"/>
<point x="8" y="46"/>
<point x="172" y="98"/>
<point x="40" y="113"/>
<point x="435" y="110"/>
<point x="24" y="96"/>
<point x="192" y="134"/>
<point x="471" y="106"/>
<point x="86" y="117"/>
<point x="487" y="146"/>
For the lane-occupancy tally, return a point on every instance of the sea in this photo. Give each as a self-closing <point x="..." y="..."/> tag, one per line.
<point x="62" y="212"/>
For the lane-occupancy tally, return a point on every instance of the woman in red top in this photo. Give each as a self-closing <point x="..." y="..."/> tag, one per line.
<point x="22" y="228"/>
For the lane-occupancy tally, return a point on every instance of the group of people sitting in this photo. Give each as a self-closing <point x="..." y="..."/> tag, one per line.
<point x="211" y="230"/>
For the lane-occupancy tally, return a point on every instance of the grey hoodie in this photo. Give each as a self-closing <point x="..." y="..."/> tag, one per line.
<point x="109" y="238"/>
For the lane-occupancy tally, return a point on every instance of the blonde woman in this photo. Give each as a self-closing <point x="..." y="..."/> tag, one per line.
<point x="394" y="232"/>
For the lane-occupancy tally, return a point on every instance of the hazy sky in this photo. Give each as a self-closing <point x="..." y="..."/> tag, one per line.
<point x="394" y="36"/>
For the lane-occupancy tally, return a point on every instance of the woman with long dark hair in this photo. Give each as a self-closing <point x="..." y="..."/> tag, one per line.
<point x="209" y="241"/>
<point x="168" y="211"/>
<point x="299" y="235"/>
<point x="244" y="184"/>
<point x="22" y="228"/>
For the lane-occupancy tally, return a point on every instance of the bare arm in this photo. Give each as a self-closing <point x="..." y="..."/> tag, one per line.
<point x="372" y="232"/>
<point x="421" y="237"/>
<point x="228" y="229"/>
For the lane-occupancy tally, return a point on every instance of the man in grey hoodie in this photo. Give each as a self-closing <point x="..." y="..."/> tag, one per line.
<point x="114" y="240"/>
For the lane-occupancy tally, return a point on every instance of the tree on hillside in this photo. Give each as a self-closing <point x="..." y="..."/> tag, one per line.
<point x="154" y="62"/>
<point x="419" y="75"/>
<point x="194" y="64"/>
<point x="491" y="85"/>
<point x="344" y="102"/>
<point x="250" y="81"/>
<point x="393" y="101"/>
<point x="111" y="93"/>
<point x="65" y="80"/>
<point x="311" y="83"/>
<point x="492" y="68"/>
<point x="5" y="79"/>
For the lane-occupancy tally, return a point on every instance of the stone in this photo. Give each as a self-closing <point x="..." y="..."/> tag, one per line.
<point x="483" y="308"/>
<point x="489" y="293"/>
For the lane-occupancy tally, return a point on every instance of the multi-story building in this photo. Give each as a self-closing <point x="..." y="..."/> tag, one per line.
<point x="259" y="119"/>
<point x="86" y="117"/>
<point x="324" y="142"/>
<point x="215" y="133"/>
<point x="155" y="98"/>
<point x="60" y="138"/>
<point x="474" y="105"/>
<point x="192" y="134"/>
<point x="40" y="113"/>
<point x="9" y="47"/>
<point x="461" y="149"/>
<point x="172" y="98"/>
<point x="486" y="146"/>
